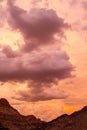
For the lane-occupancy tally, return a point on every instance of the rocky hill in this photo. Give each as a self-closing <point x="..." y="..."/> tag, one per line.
<point x="11" y="119"/>
<point x="75" y="121"/>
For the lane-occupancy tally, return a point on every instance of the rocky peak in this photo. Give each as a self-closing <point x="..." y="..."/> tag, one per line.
<point x="6" y="108"/>
<point x="11" y="119"/>
<point x="84" y="109"/>
<point x="4" y="102"/>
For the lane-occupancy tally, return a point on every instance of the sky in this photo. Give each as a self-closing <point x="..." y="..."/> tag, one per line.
<point x="43" y="56"/>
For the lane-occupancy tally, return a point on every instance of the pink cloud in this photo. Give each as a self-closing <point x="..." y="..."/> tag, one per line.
<point x="36" y="62"/>
<point x="37" y="26"/>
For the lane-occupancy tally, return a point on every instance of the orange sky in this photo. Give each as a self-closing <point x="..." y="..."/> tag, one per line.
<point x="71" y="92"/>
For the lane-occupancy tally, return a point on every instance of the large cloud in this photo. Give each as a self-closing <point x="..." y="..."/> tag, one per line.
<point x="41" y="70"/>
<point x="38" y="26"/>
<point x="43" y="67"/>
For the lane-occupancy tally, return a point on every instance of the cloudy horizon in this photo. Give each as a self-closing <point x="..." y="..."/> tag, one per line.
<point x="43" y="56"/>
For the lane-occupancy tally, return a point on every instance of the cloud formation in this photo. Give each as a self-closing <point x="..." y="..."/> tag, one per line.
<point x="41" y="70"/>
<point x="39" y="67"/>
<point x="38" y="25"/>
<point x="36" y="62"/>
<point x="7" y="50"/>
<point x="40" y="96"/>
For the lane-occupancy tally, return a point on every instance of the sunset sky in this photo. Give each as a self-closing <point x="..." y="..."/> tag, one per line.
<point x="43" y="56"/>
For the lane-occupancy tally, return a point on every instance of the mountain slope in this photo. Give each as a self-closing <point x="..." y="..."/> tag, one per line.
<point x="75" y="121"/>
<point x="10" y="118"/>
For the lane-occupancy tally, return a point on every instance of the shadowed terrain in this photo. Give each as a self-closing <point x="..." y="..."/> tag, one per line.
<point x="11" y="119"/>
<point x="75" y="121"/>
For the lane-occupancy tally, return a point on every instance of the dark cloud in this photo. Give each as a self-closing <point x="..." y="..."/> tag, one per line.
<point x="7" y="50"/>
<point x="43" y="67"/>
<point x="38" y="26"/>
<point x="41" y="71"/>
<point x="40" y="96"/>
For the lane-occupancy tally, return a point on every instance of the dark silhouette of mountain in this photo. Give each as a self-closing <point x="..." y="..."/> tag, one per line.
<point x="3" y="128"/>
<point x="11" y="119"/>
<point x="75" y="121"/>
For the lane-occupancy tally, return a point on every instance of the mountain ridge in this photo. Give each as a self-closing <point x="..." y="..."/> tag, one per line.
<point x="75" y="121"/>
<point x="11" y="119"/>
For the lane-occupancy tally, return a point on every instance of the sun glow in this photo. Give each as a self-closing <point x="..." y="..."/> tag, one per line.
<point x="70" y="109"/>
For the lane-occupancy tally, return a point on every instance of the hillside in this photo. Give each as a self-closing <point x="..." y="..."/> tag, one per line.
<point x="75" y="121"/>
<point x="11" y="119"/>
